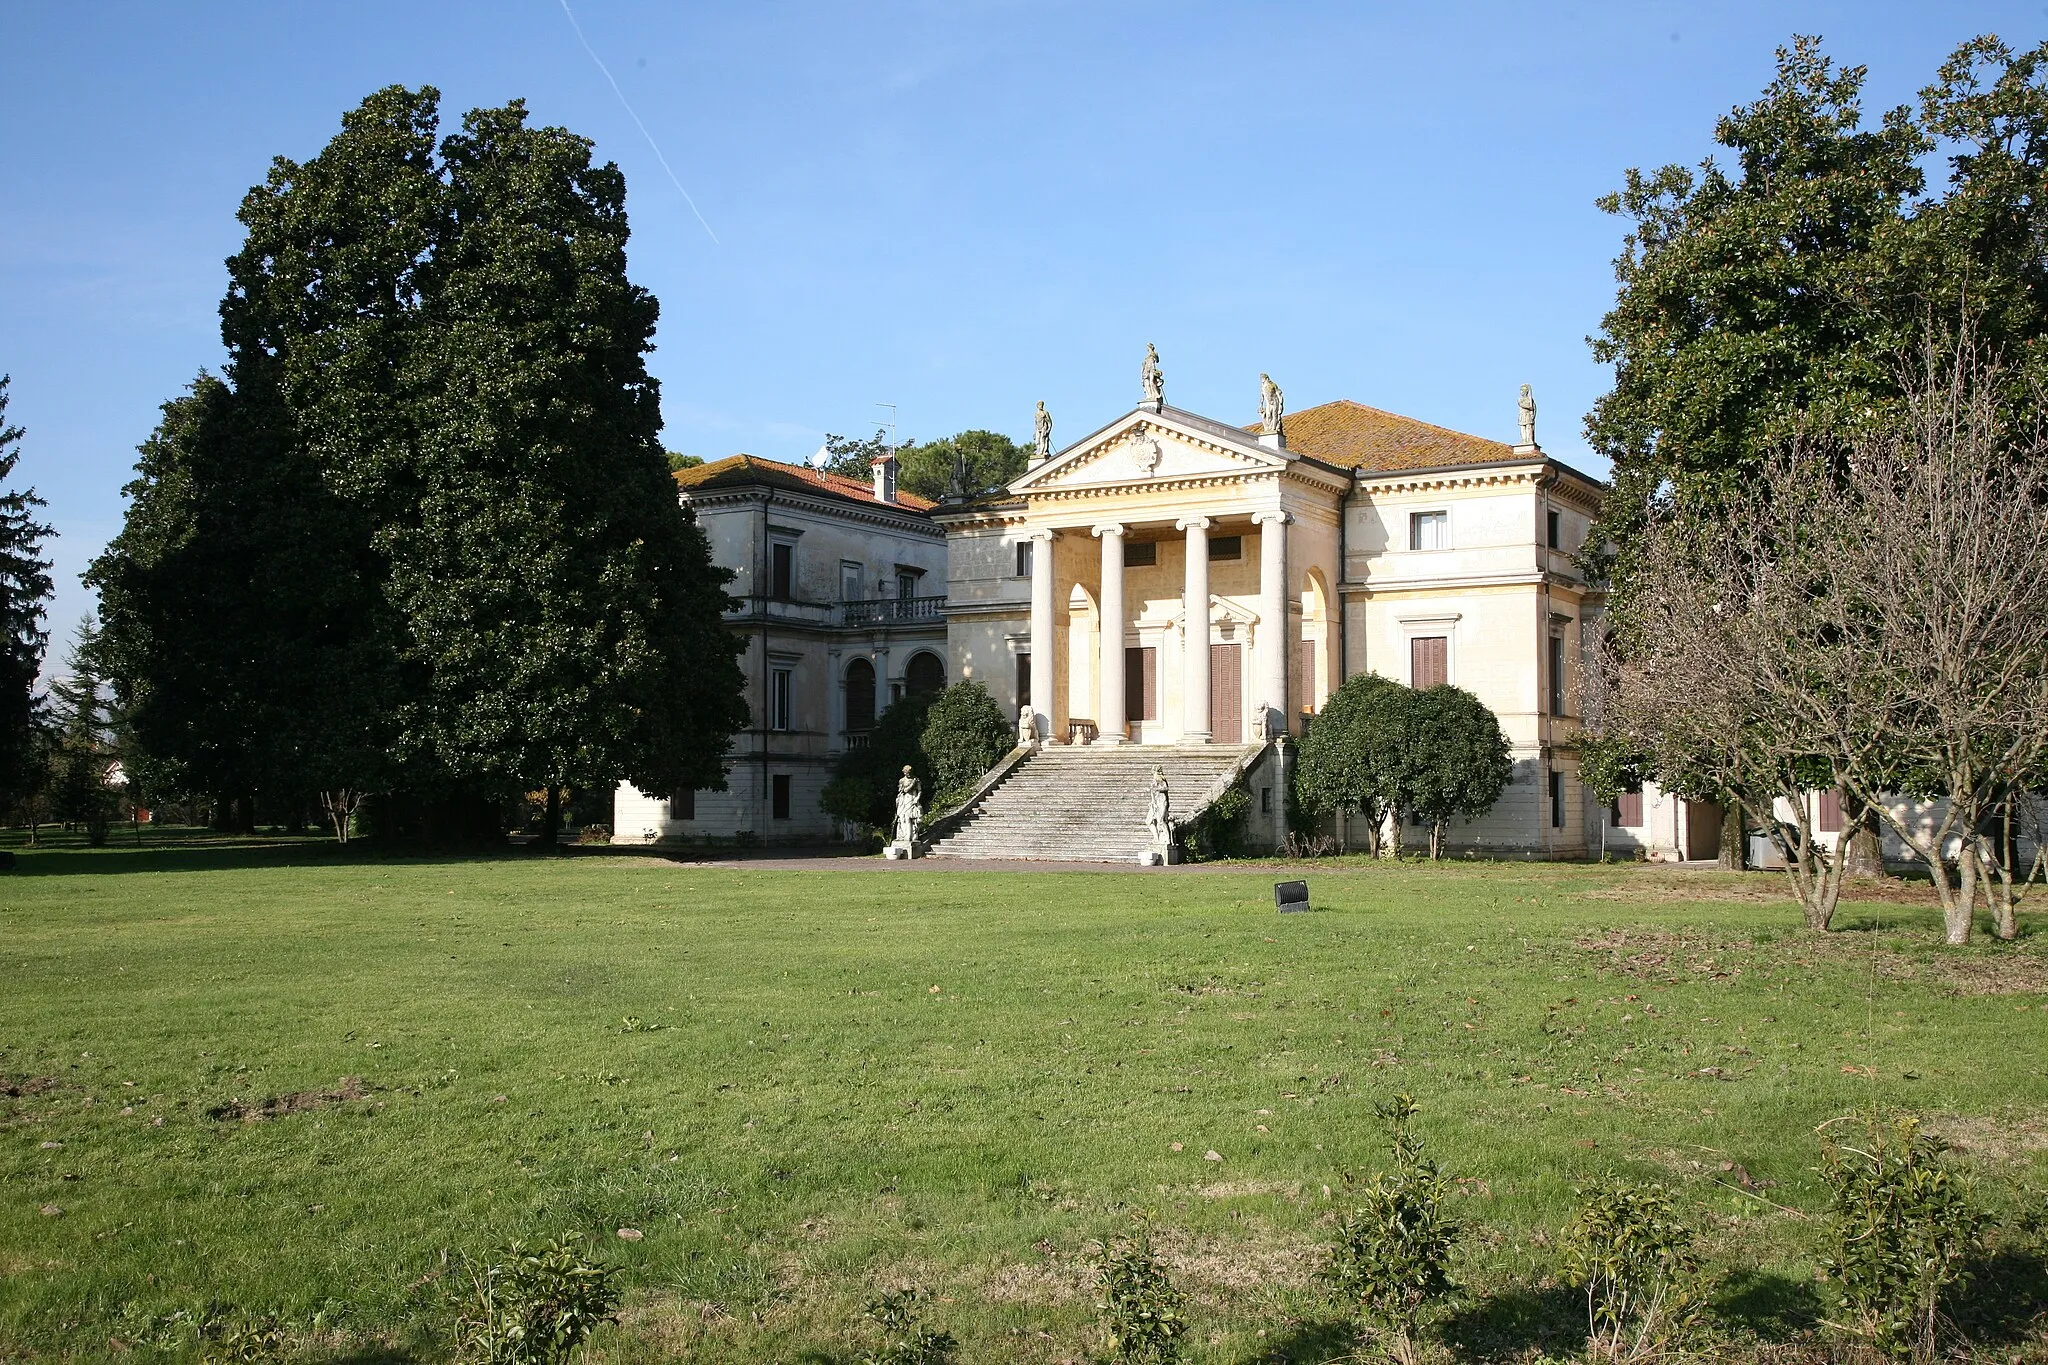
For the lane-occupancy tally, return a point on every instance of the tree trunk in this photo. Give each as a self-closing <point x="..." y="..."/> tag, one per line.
<point x="1731" y="859"/>
<point x="1960" y="909"/>
<point x="1436" y="840"/>
<point x="1390" y="847"/>
<point x="551" y="821"/>
<point x="1864" y="856"/>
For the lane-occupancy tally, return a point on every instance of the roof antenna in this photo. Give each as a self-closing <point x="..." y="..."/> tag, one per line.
<point x="890" y="425"/>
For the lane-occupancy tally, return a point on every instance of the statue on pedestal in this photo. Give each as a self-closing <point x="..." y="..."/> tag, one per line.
<point x="1041" y="431"/>
<point x="1272" y="408"/>
<point x="1152" y="377"/>
<point x="909" y="807"/>
<point x="1159" y="814"/>
<point x="1528" y="407"/>
<point x="1027" y="726"/>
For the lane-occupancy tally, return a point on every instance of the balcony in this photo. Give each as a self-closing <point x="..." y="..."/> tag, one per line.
<point x="889" y="611"/>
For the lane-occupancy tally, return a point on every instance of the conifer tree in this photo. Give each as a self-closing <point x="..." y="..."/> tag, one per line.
<point x="24" y="590"/>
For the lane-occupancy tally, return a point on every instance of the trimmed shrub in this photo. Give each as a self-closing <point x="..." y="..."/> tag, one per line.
<point x="965" y="734"/>
<point x="1903" y="1227"/>
<point x="1393" y="1250"/>
<point x="1144" y="1315"/>
<point x="1633" y="1255"/>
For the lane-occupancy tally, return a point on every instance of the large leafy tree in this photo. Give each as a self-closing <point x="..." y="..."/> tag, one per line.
<point x="1758" y="297"/>
<point x="1350" y="759"/>
<point x="1454" y="760"/>
<point x="24" y="591"/>
<point x="968" y="463"/>
<point x="473" y="577"/>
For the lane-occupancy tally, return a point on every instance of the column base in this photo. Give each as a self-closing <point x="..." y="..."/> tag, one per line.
<point x="1196" y="737"/>
<point x="1110" y="739"/>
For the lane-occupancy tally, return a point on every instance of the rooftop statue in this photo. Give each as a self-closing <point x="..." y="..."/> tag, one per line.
<point x="1153" y="378"/>
<point x="1528" y="407"/>
<point x="1041" y="429"/>
<point x="1272" y="408"/>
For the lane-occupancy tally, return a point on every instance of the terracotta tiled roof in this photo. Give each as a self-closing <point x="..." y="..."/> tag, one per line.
<point x="737" y="471"/>
<point x="1353" y="436"/>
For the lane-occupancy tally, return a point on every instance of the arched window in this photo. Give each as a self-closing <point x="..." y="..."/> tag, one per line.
<point x="860" y="695"/>
<point x="926" y="673"/>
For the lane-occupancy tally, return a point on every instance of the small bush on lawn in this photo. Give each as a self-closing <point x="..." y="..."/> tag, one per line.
<point x="905" y="1339"/>
<point x="1144" y="1316"/>
<point x="1633" y="1255"/>
<point x="1903" y="1226"/>
<point x="1393" y="1249"/>
<point x="535" y="1307"/>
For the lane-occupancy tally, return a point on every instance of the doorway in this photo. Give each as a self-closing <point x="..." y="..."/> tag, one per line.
<point x="1226" y="695"/>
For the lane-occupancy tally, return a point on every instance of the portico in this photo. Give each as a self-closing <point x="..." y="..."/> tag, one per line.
<point x="1167" y="558"/>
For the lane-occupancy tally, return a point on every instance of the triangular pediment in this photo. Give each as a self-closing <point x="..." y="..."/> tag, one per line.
<point x="1145" y="447"/>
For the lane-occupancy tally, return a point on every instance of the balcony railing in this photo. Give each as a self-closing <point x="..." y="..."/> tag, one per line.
<point x="891" y="610"/>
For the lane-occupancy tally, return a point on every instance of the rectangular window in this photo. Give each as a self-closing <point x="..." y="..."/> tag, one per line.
<point x="1552" y="530"/>
<point x="906" y="586"/>
<point x="1141" y="682"/>
<point x="1556" y="800"/>
<point x="1024" y="681"/>
<point x="682" y="804"/>
<point x="1556" y="662"/>
<point x="1429" y="661"/>
<point x="1827" y="815"/>
<point x="1226" y="547"/>
<point x="782" y="572"/>
<point x="778" y="796"/>
<point x="853" y="585"/>
<point x="779" y="680"/>
<point x="1628" y="809"/>
<point x="1141" y="554"/>
<point x="1429" y="530"/>
<point x="1024" y="552"/>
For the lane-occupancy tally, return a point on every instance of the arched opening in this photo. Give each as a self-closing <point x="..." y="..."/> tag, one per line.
<point x="1319" y="662"/>
<point x="860" y="696"/>
<point x="926" y="673"/>
<point x="1082" y="652"/>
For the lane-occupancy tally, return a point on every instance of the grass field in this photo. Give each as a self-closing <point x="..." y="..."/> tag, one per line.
<point x="804" y="1086"/>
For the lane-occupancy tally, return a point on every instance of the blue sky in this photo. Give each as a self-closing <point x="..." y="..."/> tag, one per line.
<point x="959" y="208"/>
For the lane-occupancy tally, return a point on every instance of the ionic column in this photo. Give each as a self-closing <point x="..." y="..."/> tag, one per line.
<point x="1275" y="633"/>
<point x="1109" y="716"/>
<point x="1194" y="615"/>
<point x="1044" y="663"/>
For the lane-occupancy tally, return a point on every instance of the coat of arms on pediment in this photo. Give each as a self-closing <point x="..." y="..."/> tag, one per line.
<point x="1145" y="450"/>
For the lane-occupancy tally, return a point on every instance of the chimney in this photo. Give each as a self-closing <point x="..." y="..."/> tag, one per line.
<point x="884" y="469"/>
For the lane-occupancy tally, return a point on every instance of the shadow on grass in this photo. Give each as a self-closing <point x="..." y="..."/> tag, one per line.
<point x="1508" y="1325"/>
<point x="1775" y="1307"/>
<point x="2007" y="1298"/>
<point x="201" y="851"/>
<point x="1310" y="1343"/>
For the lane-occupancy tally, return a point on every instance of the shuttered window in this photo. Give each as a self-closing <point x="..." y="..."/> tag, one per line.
<point x="1429" y="661"/>
<point x="1628" y="810"/>
<point x="682" y="804"/>
<point x="1308" y="676"/>
<point x="1141" y="682"/>
<point x="1827" y="818"/>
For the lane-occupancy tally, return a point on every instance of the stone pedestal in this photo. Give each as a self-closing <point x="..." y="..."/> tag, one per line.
<point x="902" y="850"/>
<point x="1160" y="855"/>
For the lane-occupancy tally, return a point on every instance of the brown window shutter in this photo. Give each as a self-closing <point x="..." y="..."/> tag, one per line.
<point x="1151" y="692"/>
<point x="1630" y="804"/>
<point x="1429" y="660"/>
<point x="1308" y="675"/>
<point x="1828" y="818"/>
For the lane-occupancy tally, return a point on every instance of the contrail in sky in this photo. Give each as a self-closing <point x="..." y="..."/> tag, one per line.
<point x="636" y="121"/>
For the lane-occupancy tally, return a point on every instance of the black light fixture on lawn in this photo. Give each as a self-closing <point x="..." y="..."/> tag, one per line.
<point x="1290" y="896"/>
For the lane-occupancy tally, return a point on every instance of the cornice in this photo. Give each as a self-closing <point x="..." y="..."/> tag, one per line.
<point x="905" y="519"/>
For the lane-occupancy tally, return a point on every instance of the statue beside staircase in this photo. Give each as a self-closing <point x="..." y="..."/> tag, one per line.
<point x="1159" y="823"/>
<point x="909" y="817"/>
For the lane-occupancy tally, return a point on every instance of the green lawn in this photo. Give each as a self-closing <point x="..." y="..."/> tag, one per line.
<point x="805" y="1086"/>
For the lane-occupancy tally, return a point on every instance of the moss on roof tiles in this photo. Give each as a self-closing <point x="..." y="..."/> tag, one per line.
<point x="1353" y="436"/>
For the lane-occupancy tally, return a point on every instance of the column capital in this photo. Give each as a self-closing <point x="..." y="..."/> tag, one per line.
<point x="1107" y="528"/>
<point x="1045" y="533"/>
<point x="1194" y="523"/>
<point x="1273" y="515"/>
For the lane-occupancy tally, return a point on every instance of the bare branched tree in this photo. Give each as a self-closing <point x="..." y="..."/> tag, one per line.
<point x="1867" y="614"/>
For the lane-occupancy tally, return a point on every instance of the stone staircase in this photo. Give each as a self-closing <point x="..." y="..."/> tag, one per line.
<point x="1086" y="803"/>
